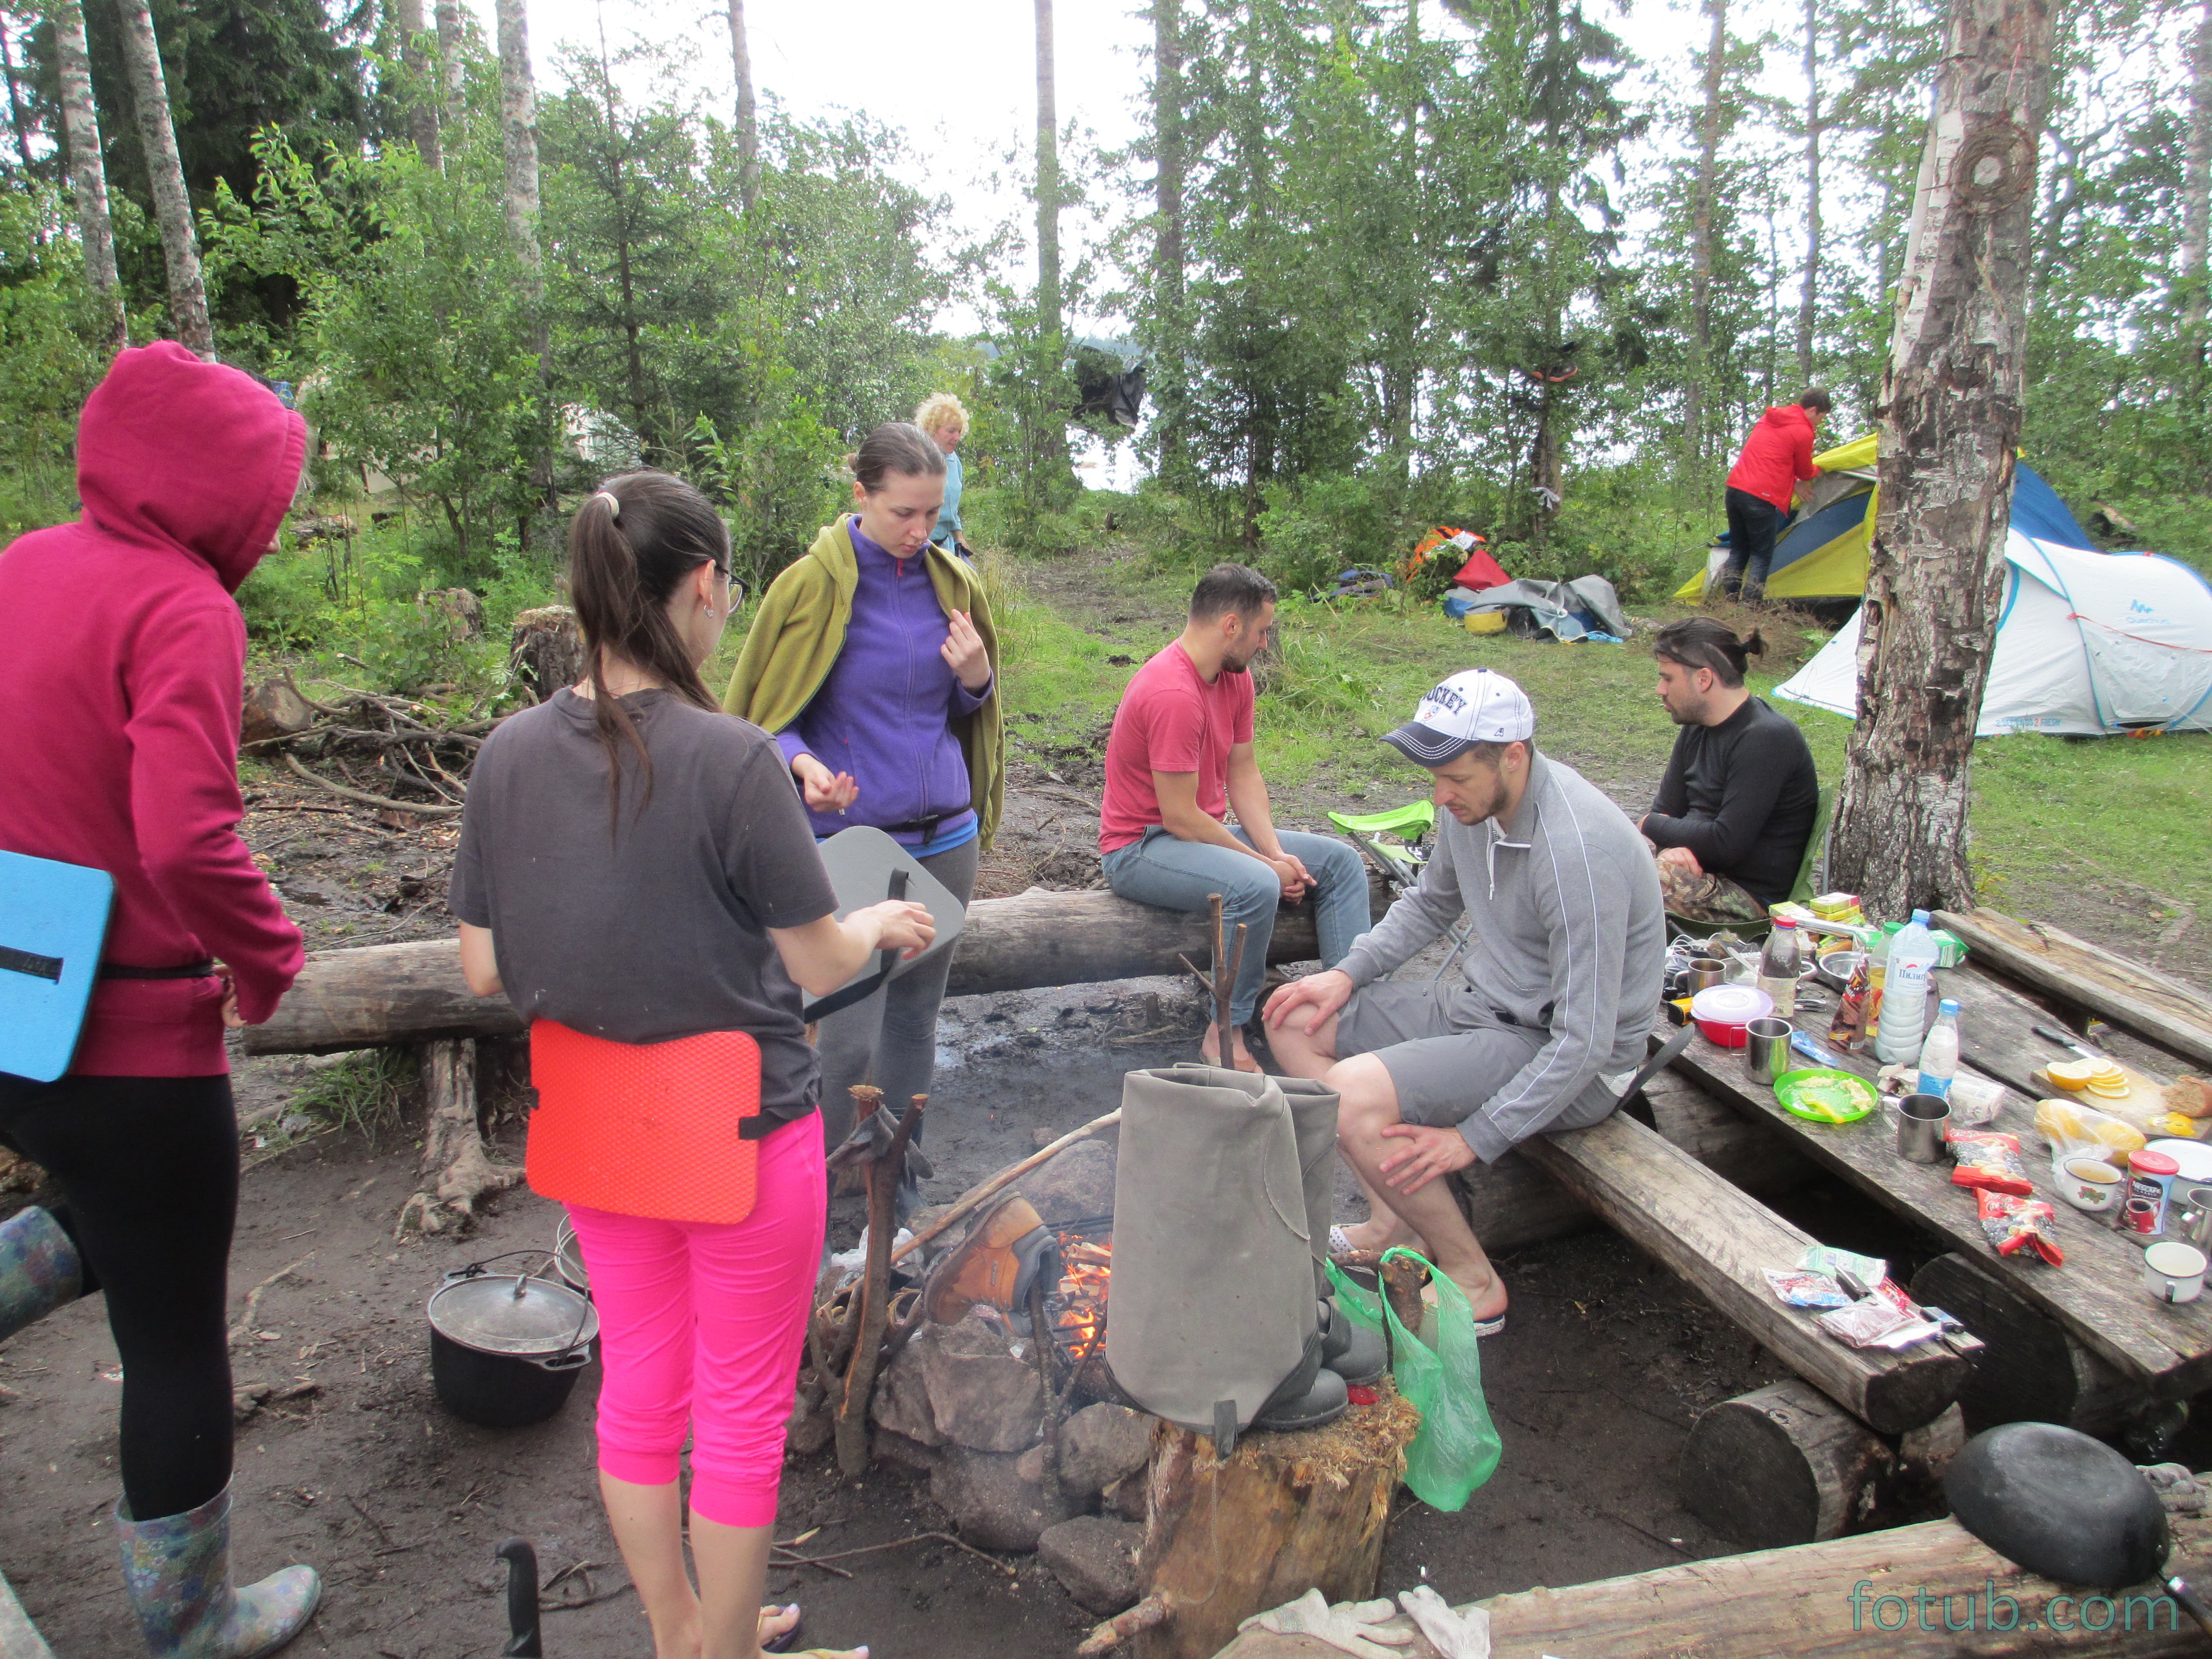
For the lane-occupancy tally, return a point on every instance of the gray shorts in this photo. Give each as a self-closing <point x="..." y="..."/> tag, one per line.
<point x="1448" y="1051"/>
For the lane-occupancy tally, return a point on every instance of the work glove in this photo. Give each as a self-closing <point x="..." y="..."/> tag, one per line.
<point x="1453" y="1635"/>
<point x="1351" y="1625"/>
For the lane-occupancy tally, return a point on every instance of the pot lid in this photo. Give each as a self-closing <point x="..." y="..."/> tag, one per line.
<point x="499" y="1313"/>
<point x="1731" y="1004"/>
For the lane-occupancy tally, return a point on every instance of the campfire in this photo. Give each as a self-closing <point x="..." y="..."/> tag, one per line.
<point x="1075" y="1307"/>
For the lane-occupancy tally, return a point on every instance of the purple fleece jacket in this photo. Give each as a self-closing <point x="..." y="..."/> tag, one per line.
<point x="884" y="713"/>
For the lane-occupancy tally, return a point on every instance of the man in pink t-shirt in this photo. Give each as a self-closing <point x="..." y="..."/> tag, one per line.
<point x="1180" y="761"/>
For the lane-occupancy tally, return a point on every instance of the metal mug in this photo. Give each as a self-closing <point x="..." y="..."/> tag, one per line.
<point x="1767" y="1049"/>
<point x="1702" y="972"/>
<point x="2192" y="1222"/>
<point x="1920" y="1123"/>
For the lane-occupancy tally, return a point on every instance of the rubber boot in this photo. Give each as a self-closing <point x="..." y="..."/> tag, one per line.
<point x="1308" y="1397"/>
<point x="1355" y="1353"/>
<point x="39" y="1269"/>
<point x="177" y="1570"/>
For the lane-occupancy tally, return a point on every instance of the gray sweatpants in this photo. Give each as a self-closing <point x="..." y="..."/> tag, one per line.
<point x="890" y="1039"/>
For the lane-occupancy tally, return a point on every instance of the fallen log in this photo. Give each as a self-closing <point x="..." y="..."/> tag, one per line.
<point x="404" y="993"/>
<point x="1226" y="1539"/>
<point x="2053" y="961"/>
<point x="2032" y="1372"/>
<point x="1929" y="1591"/>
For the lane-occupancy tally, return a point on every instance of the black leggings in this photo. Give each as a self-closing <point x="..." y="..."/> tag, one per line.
<point x="150" y="1165"/>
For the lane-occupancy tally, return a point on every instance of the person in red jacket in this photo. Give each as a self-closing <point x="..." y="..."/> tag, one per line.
<point x="1776" y="458"/>
<point x="119" y="751"/>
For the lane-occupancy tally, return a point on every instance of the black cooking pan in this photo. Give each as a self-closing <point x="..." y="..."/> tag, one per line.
<point x="2056" y="1502"/>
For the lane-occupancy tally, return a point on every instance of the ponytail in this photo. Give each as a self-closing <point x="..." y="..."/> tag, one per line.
<point x="630" y="545"/>
<point x="1701" y="642"/>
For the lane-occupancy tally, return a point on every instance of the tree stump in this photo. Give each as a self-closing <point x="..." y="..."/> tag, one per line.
<point x="1783" y="1464"/>
<point x="545" y="651"/>
<point x="1284" y="1514"/>
<point x="2033" y="1372"/>
<point x="458" y="1168"/>
<point x="274" y="708"/>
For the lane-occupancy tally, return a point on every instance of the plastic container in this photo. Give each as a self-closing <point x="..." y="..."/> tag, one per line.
<point x="1779" y="963"/>
<point x="1725" y="1013"/>
<point x="1939" y="1054"/>
<point x="1905" y="993"/>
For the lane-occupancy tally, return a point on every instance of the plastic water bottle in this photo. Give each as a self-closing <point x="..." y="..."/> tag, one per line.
<point x="1939" y="1055"/>
<point x="1778" y="967"/>
<point x="1912" y="955"/>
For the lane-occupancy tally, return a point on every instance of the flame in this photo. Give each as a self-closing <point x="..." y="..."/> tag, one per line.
<point x="1088" y="1267"/>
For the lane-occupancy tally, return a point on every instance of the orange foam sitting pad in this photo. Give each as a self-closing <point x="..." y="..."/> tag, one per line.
<point x="645" y="1129"/>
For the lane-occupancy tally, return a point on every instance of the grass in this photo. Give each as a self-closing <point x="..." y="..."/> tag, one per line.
<point x="2051" y="817"/>
<point x="363" y="1093"/>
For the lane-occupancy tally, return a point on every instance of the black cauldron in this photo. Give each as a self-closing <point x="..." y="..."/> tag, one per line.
<point x="506" y="1348"/>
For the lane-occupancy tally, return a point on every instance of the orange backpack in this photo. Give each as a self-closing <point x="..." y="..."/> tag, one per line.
<point x="669" y="1130"/>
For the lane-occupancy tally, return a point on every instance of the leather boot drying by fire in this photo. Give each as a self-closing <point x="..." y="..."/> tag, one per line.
<point x="1355" y="1353"/>
<point x="1214" y="1321"/>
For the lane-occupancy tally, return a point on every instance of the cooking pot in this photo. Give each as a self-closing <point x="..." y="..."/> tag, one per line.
<point x="505" y="1348"/>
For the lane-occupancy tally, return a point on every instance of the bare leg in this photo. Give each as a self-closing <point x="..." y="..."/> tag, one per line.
<point x="1209" y="1049"/>
<point x="733" y="1563"/>
<point x="648" y="1526"/>
<point x="1370" y="1101"/>
<point x="1313" y="1055"/>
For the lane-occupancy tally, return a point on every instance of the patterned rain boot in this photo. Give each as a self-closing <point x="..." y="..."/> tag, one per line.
<point x="39" y="1269"/>
<point x="178" y="1572"/>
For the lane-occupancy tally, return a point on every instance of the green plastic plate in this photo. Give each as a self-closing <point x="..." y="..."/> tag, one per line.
<point x="1820" y="1094"/>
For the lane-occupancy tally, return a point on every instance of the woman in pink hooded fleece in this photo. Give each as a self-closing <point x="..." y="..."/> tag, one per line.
<point x="121" y="680"/>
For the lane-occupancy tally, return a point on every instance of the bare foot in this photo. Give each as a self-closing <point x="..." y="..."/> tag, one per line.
<point x="1379" y="1233"/>
<point x="1484" y="1291"/>
<point x="776" y="1622"/>
<point x="1209" y="1049"/>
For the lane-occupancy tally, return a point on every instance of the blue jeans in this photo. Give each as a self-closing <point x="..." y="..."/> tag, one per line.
<point x="1182" y="875"/>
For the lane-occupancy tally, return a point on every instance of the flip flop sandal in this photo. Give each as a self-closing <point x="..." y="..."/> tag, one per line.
<point x="782" y="1643"/>
<point x="1482" y="1327"/>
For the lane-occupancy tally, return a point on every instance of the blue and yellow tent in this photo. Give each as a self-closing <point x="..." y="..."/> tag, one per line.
<point x="1822" y="552"/>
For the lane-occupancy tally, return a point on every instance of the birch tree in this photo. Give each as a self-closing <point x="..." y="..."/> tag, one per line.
<point x="172" y="207"/>
<point x="1950" y="419"/>
<point x="748" y="129"/>
<point x="1171" y="326"/>
<point x="2197" y="177"/>
<point x="1808" y="295"/>
<point x="422" y="107"/>
<point x="88" y="171"/>
<point x="1701" y="245"/>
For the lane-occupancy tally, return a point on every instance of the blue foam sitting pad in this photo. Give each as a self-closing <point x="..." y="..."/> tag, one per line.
<point x="53" y="921"/>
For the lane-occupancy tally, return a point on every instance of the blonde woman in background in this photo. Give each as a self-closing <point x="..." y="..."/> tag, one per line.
<point x="945" y="418"/>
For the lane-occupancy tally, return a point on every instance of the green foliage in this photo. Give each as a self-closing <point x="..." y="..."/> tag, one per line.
<point x="363" y="1092"/>
<point x="1323" y="524"/>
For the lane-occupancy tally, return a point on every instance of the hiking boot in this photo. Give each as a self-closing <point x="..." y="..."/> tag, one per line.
<point x="39" y="1269"/>
<point x="177" y="1570"/>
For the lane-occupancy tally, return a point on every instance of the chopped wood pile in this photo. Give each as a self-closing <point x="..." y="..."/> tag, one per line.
<point x="371" y="747"/>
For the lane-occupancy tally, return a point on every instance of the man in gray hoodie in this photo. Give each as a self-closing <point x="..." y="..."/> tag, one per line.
<point x="1548" y="1020"/>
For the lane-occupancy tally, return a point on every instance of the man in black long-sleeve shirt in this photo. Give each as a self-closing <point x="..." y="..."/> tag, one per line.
<point x="1733" y="812"/>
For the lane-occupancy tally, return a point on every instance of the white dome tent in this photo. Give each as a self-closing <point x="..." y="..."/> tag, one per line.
<point x="2090" y="644"/>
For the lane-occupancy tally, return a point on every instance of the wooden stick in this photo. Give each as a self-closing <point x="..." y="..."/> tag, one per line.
<point x="1221" y="981"/>
<point x="365" y="798"/>
<point x="975" y="1195"/>
<point x="899" y="1544"/>
<point x="1105" y="1639"/>
<point x="875" y="1293"/>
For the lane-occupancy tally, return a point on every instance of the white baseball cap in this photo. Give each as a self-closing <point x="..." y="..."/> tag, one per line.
<point x="1477" y="705"/>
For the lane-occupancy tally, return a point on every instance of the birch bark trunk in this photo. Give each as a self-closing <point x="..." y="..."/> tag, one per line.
<point x="1950" y="418"/>
<point x="2196" y="176"/>
<point x="422" y="107"/>
<point x="748" y="116"/>
<point x="452" y="73"/>
<point x="172" y="207"/>
<point x="1167" y="203"/>
<point x="1809" y="296"/>
<point x="88" y="168"/>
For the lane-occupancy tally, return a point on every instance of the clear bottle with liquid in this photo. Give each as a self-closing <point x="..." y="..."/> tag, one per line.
<point x="1939" y="1054"/>
<point x="1912" y="957"/>
<point x="1778" y="963"/>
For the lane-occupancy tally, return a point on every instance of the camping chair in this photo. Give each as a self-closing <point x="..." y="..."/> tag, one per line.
<point x="1811" y="870"/>
<point x="1398" y="859"/>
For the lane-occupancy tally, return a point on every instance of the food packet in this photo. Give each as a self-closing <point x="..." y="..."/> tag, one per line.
<point x="1849" y="1028"/>
<point x="1989" y="1161"/>
<point x="2012" y="1225"/>
<point x="2189" y="1097"/>
<point x="1877" y="1323"/>
<point x="2072" y="1128"/>
<point x="1823" y="1259"/>
<point x="1807" y="1290"/>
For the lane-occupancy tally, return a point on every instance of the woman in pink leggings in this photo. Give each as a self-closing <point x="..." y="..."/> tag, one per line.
<point x="636" y="874"/>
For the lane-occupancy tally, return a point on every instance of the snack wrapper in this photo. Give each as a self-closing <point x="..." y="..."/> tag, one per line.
<point x="1877" y="1323"/>
<point x="1822" y="1259"/>
<point x="2071" y="1128"/>
<point x="2012" y="1224"/>
<point x="1989" y="1161"/>
<point x="1807" y="1290"/>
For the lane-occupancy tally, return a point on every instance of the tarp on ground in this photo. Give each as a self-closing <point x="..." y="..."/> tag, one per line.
<point x="1822" y="552"/>
<point x="1566" y="611"/>
<point x="2088" y="644"/>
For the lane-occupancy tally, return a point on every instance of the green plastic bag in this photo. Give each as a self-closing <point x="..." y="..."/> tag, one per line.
<point x="1458" y="1448"/>
<point x="1358" y="1304"/>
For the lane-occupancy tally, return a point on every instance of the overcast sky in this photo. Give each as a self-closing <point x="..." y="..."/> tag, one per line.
<point x="960" y="79"/>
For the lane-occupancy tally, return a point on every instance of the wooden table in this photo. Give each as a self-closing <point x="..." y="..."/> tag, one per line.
<point x="2097" y="1297"/>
